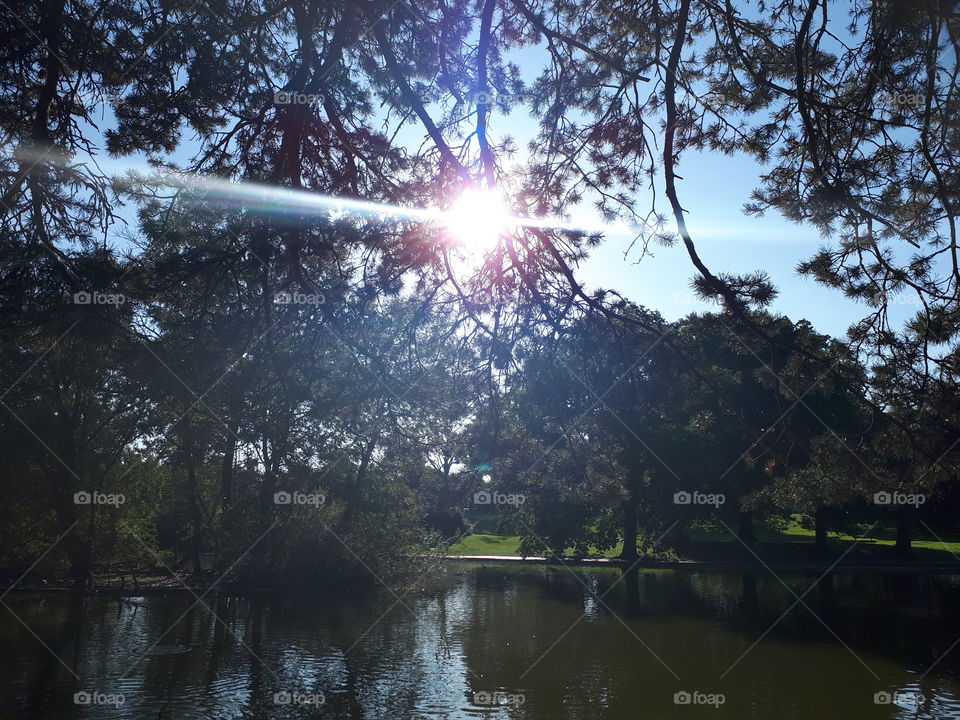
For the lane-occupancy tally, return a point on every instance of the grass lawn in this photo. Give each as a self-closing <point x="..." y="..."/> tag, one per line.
<point x="487" y="540"/>
<point x="791" y="544"/>
<point x="481" y="544"/>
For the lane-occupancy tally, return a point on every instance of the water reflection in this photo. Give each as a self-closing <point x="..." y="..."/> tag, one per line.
<point x="499" y="642"/>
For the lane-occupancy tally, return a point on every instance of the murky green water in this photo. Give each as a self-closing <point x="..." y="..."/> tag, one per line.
<point x="500" y="642"/>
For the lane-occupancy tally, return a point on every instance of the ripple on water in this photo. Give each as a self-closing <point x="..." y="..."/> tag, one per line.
<point x="916" y="702"/>
<point x="225" y="697"/>
<point x="161" y="650"/>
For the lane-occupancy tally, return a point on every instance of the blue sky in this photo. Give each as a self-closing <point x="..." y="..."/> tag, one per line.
<point x="713" y="190"/>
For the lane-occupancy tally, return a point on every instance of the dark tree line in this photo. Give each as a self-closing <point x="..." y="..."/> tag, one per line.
<point x="612" y="436"/>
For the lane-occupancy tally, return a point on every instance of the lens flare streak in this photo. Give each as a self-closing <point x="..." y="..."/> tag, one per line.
<point x="472" y="215"/>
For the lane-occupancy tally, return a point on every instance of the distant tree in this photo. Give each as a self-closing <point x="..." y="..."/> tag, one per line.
<point x="819" y="455"/>
<point x="594" y="400"/>
<point x="70" y="412"/>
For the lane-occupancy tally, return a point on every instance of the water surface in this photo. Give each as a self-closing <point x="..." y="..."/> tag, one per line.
<point x="531" y="642"/>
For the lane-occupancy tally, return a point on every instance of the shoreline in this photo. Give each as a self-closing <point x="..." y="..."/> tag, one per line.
<point x="654" y="564"/>
<point x="942" y="568"/>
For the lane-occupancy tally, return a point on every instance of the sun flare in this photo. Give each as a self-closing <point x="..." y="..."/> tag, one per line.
<point x="477" y="219"/>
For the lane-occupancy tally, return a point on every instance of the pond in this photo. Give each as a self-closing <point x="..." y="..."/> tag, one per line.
<point x="499" y="641"/>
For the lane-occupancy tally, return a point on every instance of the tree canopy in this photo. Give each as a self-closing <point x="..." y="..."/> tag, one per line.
<point x="223" y="278"/>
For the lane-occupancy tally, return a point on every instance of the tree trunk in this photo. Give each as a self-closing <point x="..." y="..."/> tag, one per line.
<point x="904" y="530"/>
<point x="196" y="519"/>
<point x="745" y="530"/>
<point x="81" y="566"/>
<point x="269" y="485"/>
<point x="226" y="466"/>
<point x="356" y="493"/>
<point x="820" y="531"/>
<point x="629" y="529"/>
<point x="76" y="543"/>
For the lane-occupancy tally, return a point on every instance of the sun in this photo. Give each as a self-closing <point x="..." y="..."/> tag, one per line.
<point x="477" y="219"/>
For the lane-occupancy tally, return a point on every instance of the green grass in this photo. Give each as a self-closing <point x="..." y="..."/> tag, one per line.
<point x="487" y="538"/>
<point x="792" y="543"/>
<point x="482" y="544"/>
